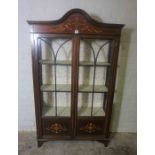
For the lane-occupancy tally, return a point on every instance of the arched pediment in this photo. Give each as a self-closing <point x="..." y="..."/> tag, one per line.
<point x="75" y="21"/>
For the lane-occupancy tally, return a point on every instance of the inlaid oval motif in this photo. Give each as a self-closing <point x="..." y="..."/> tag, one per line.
<point x="57" y="128"/>
<point x="90" y="128"/>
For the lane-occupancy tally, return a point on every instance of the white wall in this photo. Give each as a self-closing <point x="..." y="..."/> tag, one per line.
<point x="120" y="11"/>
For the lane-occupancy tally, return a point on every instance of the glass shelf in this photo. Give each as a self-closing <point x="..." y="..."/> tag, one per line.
<point x="65" y="111"/>
<point x="61" y="111"/>
<point x="67" y="88"/>
<point x="91" y="63"/>
<point x="82" y="63"/>
<point x="89" y="88"/>
<point x="58" y="62"/>
<point x="60" y="87"/>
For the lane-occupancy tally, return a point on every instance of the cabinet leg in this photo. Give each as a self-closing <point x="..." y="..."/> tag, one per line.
<point x="40" y="143"/>
<point x="104" y="142"/>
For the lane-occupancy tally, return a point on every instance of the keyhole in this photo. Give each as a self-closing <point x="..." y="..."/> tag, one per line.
<point x="76" y="31"/>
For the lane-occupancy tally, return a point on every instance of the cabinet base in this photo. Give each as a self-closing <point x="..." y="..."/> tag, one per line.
<point x="40" y="142"/>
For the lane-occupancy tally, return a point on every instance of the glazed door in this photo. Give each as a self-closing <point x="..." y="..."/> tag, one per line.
<point x="93" y="75"/>
<point x="55" y="65"/>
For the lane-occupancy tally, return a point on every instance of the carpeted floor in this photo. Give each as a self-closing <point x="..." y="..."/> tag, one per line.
<point x="121" y="144"/>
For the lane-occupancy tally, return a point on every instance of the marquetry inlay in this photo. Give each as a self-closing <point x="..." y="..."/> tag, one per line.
<point x="76" y="23"/>
<point x="56" y="128"/>
<point x="90" y="128"/>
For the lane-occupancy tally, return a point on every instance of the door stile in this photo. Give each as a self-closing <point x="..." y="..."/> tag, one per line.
<point x="75" y="71"/>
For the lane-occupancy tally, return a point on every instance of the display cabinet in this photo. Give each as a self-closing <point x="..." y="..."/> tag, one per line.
<point x="74" y="62"/>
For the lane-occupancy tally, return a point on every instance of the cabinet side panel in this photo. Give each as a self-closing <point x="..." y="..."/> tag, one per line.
<point x="35" y="71"/>
<point x="112" y="78"/>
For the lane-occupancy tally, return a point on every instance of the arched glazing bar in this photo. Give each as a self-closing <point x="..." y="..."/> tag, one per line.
<point x="100" y="50"/>
<point x="107" y="69"/>
<point x="55" y="68"/>
<point x="45" y="40"/>
<point x="55" y="54"/>
<point x="90" y="47"/>
<point x="94" y="73"/>
<point x="107" y="73"/>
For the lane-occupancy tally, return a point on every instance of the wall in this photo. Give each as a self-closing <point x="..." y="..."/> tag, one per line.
<point x="112" y="11"/>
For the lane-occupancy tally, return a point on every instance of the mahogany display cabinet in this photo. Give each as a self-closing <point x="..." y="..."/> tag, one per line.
<point x="74" y="61"/>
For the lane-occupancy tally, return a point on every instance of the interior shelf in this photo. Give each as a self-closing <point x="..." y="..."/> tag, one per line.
<point x="89" y="88"/>
<point x="65" y="111"/>
<point x="58" y="62"/>
<point x="61" y="111"/>
<point x="82" y="63"/>
<point x="67" y="88"/>
<point x="60" y="87"/>
<point x="91" y="63"/>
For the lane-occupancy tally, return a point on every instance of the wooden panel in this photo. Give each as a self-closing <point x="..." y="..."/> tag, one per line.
<point x="90" y="126"/>
<point x="56" y="126"/>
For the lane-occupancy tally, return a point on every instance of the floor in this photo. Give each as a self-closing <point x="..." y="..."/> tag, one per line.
<point x="120" y="144"/>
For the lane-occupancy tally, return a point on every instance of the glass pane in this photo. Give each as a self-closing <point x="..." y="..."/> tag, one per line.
<point x="63" y="77"/>
<point x="86" y="76"/>
<point x="49" y="104"/>
<point x="53" y="47"/>
<point x="55" y="64"/>
<point x="93" y="49"/>
<point x="94" y="63"/>
<point x="85" y="107"/>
